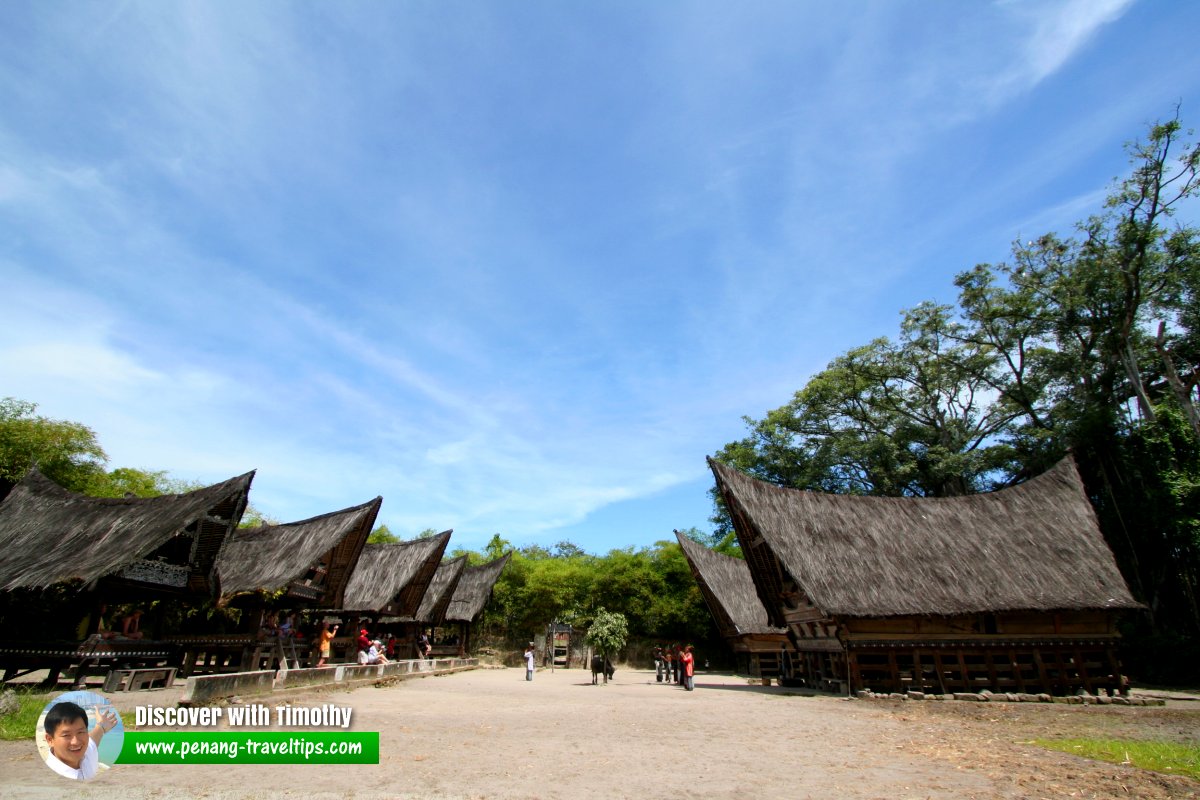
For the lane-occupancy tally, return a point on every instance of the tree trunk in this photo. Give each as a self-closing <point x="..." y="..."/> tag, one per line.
<point x="1182" y="394"/>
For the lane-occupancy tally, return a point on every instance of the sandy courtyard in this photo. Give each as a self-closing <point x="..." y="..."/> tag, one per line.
<point x="489" y="733"/>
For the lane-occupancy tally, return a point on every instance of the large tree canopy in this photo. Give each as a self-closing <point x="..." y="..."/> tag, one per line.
<point x="1089" y="343"/>
<point x="66" y="452"/>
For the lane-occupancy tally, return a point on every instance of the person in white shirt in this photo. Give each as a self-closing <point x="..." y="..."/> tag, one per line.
<point x="375" y="653"/>
<point x="529" y="656"/>
<point x="73" y="750"/>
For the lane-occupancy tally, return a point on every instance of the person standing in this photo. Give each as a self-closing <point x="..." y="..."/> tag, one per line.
<point x="689" y="669"/>
<point x="324" y="637"/>
<point x="529" y="663"/>
<point x="422" y="644"/>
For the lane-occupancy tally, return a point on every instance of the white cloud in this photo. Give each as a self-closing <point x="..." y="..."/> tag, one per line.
<point x="1053" y="32"/>
<point x="1060" y="31"/>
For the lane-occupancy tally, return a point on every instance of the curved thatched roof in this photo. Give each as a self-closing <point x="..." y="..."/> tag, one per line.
<point x="51" y="535"/>
<point x="1036" y="546"/>
<point x="441" y="591"/>
<point x="474" y="590"/>
<point x="392" y="578"/>
<point x="270" y="557"/>
<point x="728" y="588"/>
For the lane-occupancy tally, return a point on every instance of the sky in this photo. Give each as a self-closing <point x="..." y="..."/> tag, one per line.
<point x="519" y="267"/>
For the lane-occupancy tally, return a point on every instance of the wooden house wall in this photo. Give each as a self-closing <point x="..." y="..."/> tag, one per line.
<point x="1026" y="652"/>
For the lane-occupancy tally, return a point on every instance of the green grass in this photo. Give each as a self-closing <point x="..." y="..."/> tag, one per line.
<point x="22" y="722"/>
<point x="1169" y="757"/>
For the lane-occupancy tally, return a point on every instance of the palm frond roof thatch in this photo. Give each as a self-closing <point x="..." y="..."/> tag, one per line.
<point x="51" y="535"/>
<point x="474" y="590"/>
<point x="1035" y="546"/>
<point x="728" y="589"/>
<point x="269" y="557"/>
<point x="392" y="578"/>
<point x="441" y="591"/>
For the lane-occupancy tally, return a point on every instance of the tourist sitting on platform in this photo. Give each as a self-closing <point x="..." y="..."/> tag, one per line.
<point x="373" y="654"/>
<point x="131" y="625"/>
<point x="269" y="629"/>
<point x="287" y="626"/>
<point x="102" y="630"/>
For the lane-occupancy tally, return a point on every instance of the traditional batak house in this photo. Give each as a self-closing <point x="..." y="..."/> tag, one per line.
<point x="291" y="566"/>
<point x="104" y="551"/>
<point x="725" y="582"/>
<point x="437" y="597"/>
<point x="472" y="594"/>
<point x="130" y="548"/>
<point x="1014" y="590"/>
<point x="391" y="580"/>
<point x="310" y="562"/>
<point x="432" y="612"/>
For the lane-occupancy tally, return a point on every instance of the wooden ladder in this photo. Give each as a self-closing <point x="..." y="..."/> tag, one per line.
<point x="285" y="648"/>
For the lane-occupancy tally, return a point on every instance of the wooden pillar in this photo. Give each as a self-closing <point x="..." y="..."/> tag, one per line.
<point x="1114" y="666"/>
<point x="991" y="668"/>
<point x="1041" y="668"/>
<point x="1018" y="673"/>
<point x="1081" y="666"/>
<point x="855" y="676"/>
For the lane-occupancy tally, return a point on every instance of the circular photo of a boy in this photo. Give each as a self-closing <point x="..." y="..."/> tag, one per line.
<point x="79" y="734"/>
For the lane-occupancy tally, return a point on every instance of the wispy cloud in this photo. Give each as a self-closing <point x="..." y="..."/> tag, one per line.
<point x="1058" y="31"/>
<point x="506" y="268"/>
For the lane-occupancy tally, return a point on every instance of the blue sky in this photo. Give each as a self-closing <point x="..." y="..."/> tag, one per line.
<point x="519" y="267"/>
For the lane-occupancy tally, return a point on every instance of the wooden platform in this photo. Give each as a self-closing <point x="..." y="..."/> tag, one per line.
<point x="90" y="657"/>
<point x="131" y="680"/>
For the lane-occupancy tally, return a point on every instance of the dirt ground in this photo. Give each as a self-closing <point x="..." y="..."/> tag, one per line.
<point x="489" y="733"/>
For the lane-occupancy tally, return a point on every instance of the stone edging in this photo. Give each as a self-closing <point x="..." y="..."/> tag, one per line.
<point x="1014" y="697"/>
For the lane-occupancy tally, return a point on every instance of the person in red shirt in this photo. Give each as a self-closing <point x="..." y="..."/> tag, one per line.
<point x="689" y="669"/>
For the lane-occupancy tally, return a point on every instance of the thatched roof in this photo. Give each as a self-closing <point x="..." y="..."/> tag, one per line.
<point x="392" y="578"/>
<point x="474" y="590"/>
<point x="1036" y="546"/>
<point x="728" y="589"/>
<point x="441" y="591"/>
<point x="50" y="535"/>
<point x="270" y="557"/>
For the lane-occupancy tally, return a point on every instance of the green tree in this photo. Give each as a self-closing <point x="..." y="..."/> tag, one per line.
<point x="128" y="482"/>
<point x="1088" y="343"/>
<point x="608" y="634"/>
<point x="66" y="452"/>
<point x="912" y="417"/>
<point x="382" y="535"/>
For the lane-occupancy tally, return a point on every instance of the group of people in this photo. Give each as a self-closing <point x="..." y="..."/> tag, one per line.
<point x="281" y="626"/>
<point x="370" y="650"/>
<point x="675" y="664"/>
<point x="373" y="651"/>
<point x="124" y="626"/>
